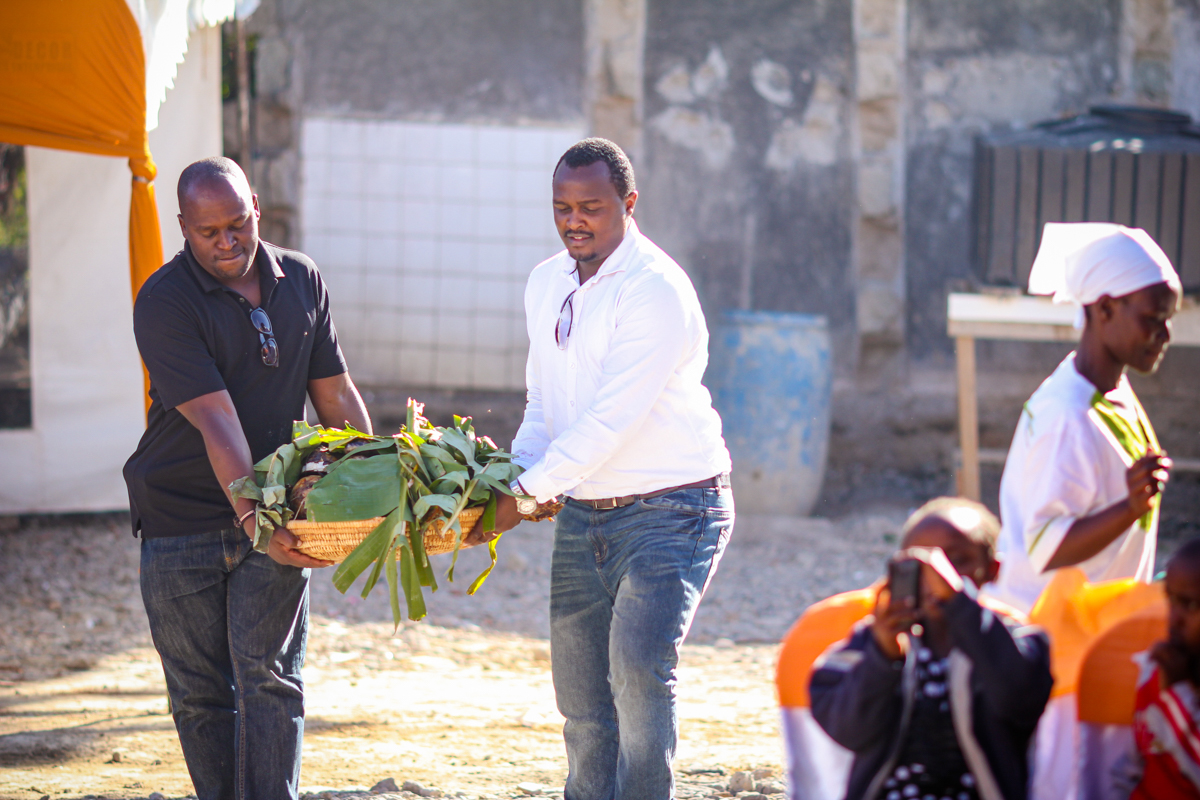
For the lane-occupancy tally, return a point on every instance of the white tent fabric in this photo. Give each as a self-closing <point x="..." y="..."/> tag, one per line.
<point x="818" y="767"/>
<point x="88" y="407"/>
<point x="165" y="27"/>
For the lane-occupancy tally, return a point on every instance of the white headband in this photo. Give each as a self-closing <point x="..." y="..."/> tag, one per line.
<point x="1079" y="262"/>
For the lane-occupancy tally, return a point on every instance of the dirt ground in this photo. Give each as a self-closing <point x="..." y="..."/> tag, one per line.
<point x="457" y="710"/>
<point x="461" y="702"/>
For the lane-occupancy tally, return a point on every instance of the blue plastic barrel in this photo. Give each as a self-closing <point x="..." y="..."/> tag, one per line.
<point x="771" y="381"/>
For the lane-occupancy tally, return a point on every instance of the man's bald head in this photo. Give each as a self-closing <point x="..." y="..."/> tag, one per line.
<point x="218" y="216"/>
<point x="208" y="173"/>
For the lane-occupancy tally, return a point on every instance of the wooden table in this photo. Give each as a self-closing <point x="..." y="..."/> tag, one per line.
<point x="1020" y="318"/>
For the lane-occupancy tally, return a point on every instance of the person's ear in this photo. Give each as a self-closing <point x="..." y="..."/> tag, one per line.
<point x="630" y="202"/>
<point x="182" y="225"/>
<point x="254" y="202"/>
<point x="1105" y="308"/>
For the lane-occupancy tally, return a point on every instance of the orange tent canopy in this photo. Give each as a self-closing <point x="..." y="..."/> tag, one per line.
<point x="73" y="77"/>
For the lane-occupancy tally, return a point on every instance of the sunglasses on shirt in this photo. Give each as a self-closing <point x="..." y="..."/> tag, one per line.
<point x="566" y="318"/>
<point x="266" y="337"/>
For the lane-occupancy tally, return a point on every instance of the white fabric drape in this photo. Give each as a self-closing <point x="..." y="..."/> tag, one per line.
<point x="165" y="26"/>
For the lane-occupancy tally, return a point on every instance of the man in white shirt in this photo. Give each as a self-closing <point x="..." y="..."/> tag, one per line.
<point x="617" y="421"/>
<point x="1083" y="477"/>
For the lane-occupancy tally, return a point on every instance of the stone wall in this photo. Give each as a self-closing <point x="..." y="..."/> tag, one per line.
<point x="809" y="156"/>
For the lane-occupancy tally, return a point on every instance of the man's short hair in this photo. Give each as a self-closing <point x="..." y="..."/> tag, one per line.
<point x="589" y="151"/>
<point x="970" y="518"/>
<point x="205" y="170"/>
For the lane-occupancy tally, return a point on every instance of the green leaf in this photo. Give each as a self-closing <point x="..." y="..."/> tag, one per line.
<point x="496" y="486"/>
<point x="264" y="529"/>
<point x="446" y="502"/>
<point x="502" y="471"/>
<point x="412" y="589"/>
<point x="368" y="550"/>
<point x="464" y="446"/>
<point x="475" y="584"/>
<point x="306" y="437"/>
<point x="449" y="483"/>
<point x="454" y="524"/>
<point x="359" y="488"/>
<point x="393" y="587"/>
<point x="246" y="488"/>
<point x="274" y="495"/>
<point x="488" y="521"/>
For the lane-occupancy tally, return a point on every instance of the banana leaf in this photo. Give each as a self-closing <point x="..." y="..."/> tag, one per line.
<point x="359" y="488"/>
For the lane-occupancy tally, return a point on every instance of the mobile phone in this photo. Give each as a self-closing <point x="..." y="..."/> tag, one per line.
<point x="904" y="580"/>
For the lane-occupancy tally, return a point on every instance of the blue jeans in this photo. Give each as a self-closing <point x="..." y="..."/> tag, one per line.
<point x="624" y="586"/>
<point x="230" y="625"/>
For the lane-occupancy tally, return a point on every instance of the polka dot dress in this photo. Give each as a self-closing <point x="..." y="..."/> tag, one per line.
<point x="931" y="765"/>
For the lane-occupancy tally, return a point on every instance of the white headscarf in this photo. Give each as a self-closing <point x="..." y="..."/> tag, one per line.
<point x="1079" y="262"/>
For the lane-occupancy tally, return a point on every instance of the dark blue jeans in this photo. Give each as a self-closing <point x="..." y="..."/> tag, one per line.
<point x="624" y="587"/>
<point x="230" y="625"/>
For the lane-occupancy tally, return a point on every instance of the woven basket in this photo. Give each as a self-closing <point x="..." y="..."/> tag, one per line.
<point x="333" y="541"/>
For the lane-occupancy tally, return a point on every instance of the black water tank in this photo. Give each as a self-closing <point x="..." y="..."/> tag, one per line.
<point x="1135" y="166"/>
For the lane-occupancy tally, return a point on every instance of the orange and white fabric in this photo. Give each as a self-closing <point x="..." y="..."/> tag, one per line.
<point x="1090" y="627"/>
<point x="818" y="767"/>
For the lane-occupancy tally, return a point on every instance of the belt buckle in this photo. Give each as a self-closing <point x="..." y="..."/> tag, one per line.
<point x="606" y="504"/>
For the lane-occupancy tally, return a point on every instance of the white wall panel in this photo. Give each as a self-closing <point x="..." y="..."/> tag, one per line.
<point x="425" y="234"/>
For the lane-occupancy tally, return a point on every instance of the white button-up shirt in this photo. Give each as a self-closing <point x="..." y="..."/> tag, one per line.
<point x="621" y="410"/>
<point x="1065" y="464"/>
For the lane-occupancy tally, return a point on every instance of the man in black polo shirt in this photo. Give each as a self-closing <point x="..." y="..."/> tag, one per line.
<point x="234" y="333"/>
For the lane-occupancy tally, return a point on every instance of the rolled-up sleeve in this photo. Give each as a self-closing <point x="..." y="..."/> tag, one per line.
<point x="652" y="335"/>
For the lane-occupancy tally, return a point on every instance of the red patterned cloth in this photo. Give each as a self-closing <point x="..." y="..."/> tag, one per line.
<point x="1167" y="734"/>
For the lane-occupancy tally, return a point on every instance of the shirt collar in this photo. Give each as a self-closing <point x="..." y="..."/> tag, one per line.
<point x="269" y="271"/>
<point x="618" y="260"/>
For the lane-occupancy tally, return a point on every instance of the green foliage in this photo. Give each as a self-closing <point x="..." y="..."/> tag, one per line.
<point x="409" y="478"/>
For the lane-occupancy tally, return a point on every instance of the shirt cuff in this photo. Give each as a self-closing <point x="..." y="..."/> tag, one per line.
<point x="538" y="483"/>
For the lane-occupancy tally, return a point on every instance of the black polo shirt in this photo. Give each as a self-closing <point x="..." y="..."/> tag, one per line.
<point x="195" y="337"/>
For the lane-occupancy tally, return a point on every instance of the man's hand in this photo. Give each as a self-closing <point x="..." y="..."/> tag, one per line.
<point x="940" y="581"/>
<point x="891" y="620"/>
<point x="282" y="548"/>
<point x="1145" y="479"/>
<point x="507" y="518"/>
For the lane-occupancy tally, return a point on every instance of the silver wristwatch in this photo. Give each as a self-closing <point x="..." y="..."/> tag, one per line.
<point x="526" y="505"/>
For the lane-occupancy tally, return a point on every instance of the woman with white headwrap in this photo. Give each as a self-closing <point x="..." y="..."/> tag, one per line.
<point x="1083" y="477"/>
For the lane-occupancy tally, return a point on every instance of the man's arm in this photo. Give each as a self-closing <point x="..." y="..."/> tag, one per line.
<point x="337" y="401"/>
<point x="217" y="420"/>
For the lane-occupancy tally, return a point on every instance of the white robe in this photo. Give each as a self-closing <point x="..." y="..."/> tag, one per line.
<point x="1065" y="463"/>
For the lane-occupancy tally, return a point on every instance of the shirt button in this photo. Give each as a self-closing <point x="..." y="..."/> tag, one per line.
<point x="572" y="404"/>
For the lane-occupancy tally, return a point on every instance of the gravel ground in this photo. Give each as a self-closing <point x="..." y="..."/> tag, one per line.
<point x="69" y="592"/>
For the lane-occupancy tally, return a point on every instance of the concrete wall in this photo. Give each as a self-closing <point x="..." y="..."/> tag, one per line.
<point x="748" y="176"/>
<point x="975" y="68"/>
<point x="813" y="155"/>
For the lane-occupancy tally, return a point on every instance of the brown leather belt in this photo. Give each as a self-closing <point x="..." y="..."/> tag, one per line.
<point x="608" y="503"/>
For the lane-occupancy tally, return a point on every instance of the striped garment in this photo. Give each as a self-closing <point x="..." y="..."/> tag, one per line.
<point x="1167" y="735"/>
